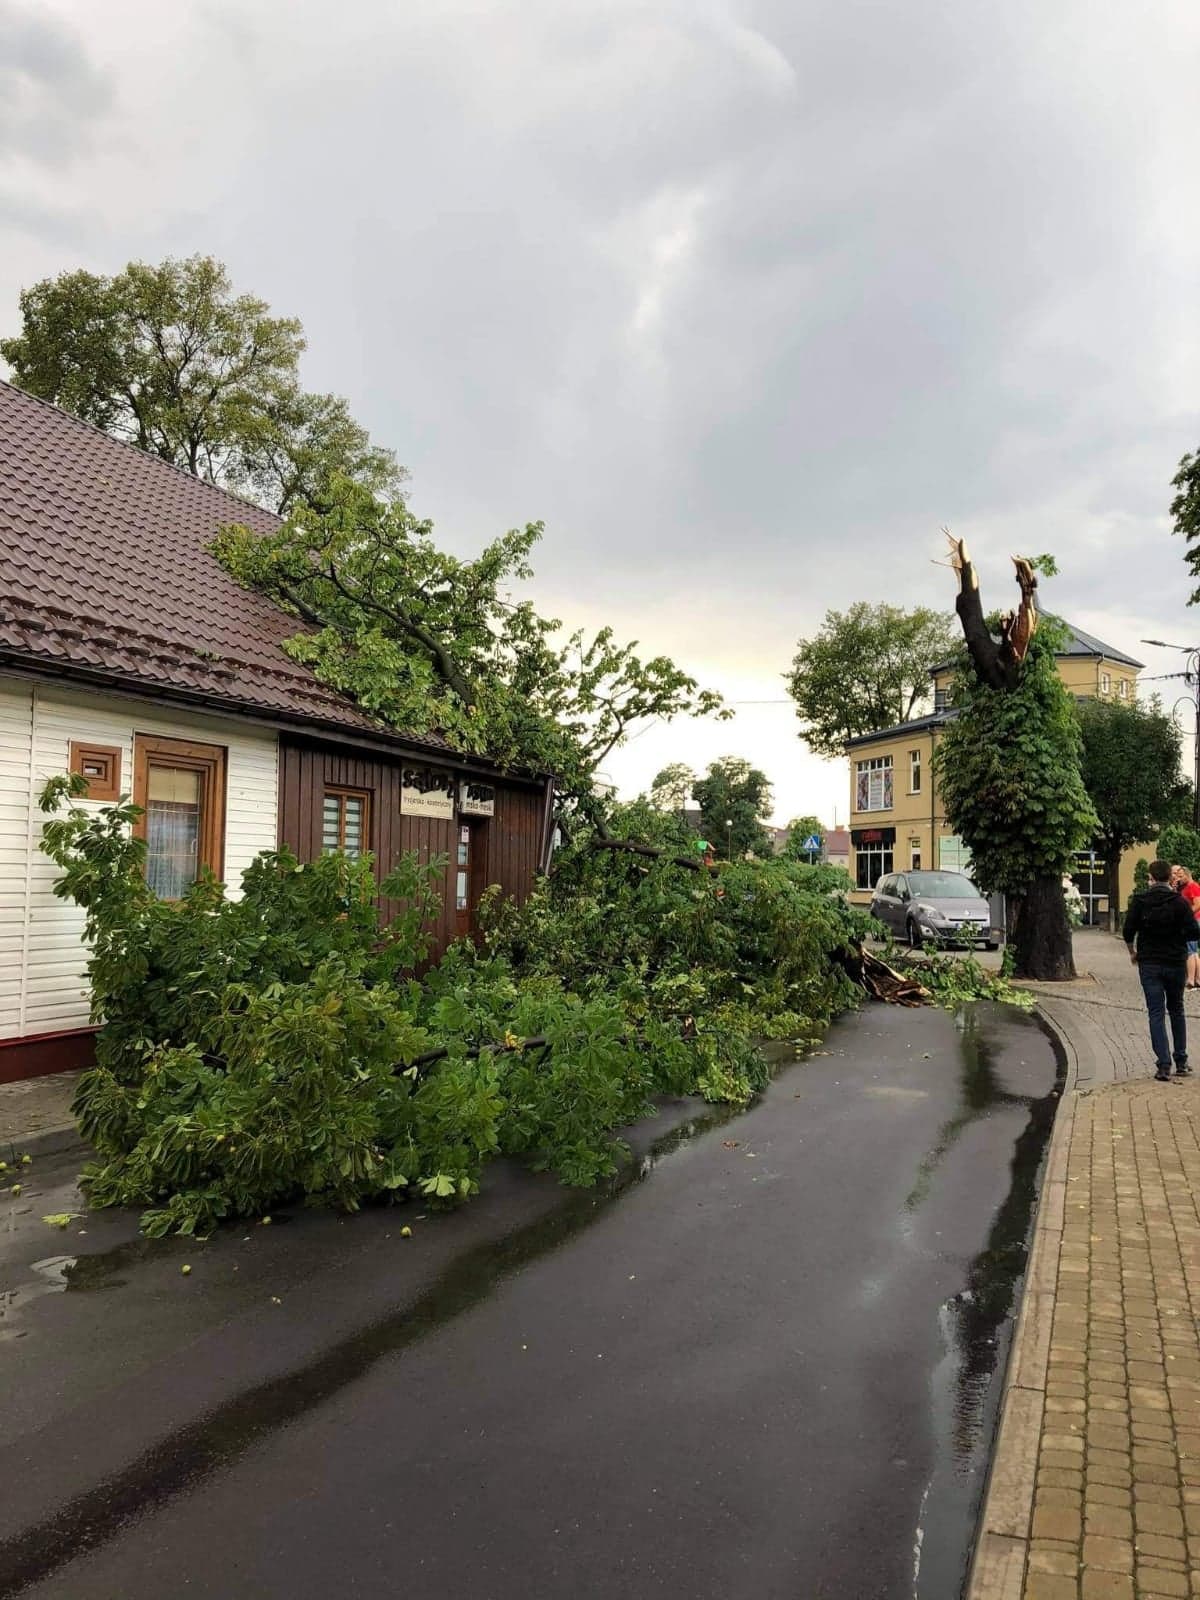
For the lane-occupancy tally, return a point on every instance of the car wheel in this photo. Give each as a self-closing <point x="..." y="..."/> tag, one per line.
<point x="915" y="938"/>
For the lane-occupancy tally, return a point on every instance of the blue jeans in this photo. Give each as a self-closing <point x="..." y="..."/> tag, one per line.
<point x="1162" y="984"/>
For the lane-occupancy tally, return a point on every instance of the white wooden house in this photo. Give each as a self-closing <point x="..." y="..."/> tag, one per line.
<point x="128" y="654"/>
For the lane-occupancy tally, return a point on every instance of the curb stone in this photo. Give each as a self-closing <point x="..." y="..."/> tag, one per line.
<point x="47" y="1142"/>
<point x="1002" y="1539"/>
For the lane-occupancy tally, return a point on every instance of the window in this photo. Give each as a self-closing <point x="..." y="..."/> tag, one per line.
<point x="1105" y="683"/>
<point x="914" y="772"/>
<point x="941" y="700"/>
<point x="344" y="821"/>
<point x="872" y="862"/>
<point x="873" y="787"/>
<point x="1123" y="688"/>
<point x="462" y="878"/>
<point x="100" y="764"/>
<point x="181" y="790"/>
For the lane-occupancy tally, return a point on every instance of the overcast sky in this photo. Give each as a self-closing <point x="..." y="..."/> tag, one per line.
<point x="743" y="298"/>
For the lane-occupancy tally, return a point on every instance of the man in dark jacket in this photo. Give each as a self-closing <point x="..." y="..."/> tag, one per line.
<point x="1162" y="923"/>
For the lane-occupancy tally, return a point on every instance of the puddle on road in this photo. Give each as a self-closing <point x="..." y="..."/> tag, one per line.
<point x="977" y="1323"/>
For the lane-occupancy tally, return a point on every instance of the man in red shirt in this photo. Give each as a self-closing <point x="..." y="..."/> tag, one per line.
<point x="1190" y="890"/>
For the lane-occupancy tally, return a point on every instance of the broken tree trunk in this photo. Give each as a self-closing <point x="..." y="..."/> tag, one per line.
<point x="1040" y="934"/>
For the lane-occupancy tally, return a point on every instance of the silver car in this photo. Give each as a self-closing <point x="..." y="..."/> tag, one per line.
<point x="940" y="907"/>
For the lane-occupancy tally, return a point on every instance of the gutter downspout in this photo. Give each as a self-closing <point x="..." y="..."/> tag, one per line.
<point x="547" y="829"/>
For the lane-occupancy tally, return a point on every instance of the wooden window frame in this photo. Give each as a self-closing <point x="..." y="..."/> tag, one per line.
<point x="83" y="753"/>
<point x="343" y="791"/>
<point x="915" y="765"/>
<point x="211" y="762"/>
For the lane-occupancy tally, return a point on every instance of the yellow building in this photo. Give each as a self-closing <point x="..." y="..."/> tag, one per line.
<point x="896" y="819"/>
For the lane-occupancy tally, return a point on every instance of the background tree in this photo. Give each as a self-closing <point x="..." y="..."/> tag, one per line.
<point x="1179" y="843"/>
<point x="867" y="668"/>
<point x="800" y="829"/>
<point x="1009" y="769"/>
<point x="169" y="358"/>
<point x="734" y="799"/>
<point x="1131" y="770"/>
<point x="672" y="788"/>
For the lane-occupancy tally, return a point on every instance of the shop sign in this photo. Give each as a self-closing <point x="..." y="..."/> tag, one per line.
<point x="426" y="792"/>
<point x="476" y="799"/>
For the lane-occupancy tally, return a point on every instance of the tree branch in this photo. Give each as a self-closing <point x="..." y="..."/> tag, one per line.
<point x="631" y="847"/>
<point x="452" y="677"/>
<point x="984" y="651"/>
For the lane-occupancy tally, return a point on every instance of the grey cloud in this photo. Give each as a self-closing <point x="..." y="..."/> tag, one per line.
<point x="49" y="88"/>
<point x="744" y="297"/>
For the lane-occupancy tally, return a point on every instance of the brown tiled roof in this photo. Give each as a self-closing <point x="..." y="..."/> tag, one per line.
<point x="105" y="574"/>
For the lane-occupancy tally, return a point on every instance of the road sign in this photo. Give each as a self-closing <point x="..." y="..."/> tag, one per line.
<point x="812" y="843"/>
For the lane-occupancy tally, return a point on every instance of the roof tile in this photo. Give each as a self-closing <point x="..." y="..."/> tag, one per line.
<point x="105" y="568"/>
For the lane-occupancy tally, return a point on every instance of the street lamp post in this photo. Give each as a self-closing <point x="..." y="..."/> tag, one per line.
<point x="729" y="838"/>
<point x="1191" y="676"/>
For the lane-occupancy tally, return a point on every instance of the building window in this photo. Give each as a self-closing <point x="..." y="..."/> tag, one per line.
<point x="181" y="790"/>
<point x="873" y="788"/>
<point x="1123" y="688"/>
<point x="100" y="764"/>
<point x="941" y="700"/>
<point x="1105" y="683"/>
<point x="344" y="821"/>
<point x="914" y="772"/>
<point x="872" y="862"/>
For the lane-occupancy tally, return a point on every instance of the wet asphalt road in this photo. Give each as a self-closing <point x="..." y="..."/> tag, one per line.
<point x="770" y="1369"/>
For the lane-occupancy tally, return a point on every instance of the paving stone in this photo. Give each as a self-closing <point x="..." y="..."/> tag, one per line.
<point x="1114" y="1555"/>
<point x="1153" y="1518"/>
<point x="1064" y="1522"/>
<point x="1098" y="1585"/>
<point x="1050" y="1586"/>
<point x="1151" y="1583"/>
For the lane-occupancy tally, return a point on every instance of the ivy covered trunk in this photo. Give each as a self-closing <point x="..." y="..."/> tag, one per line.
<point x="1008" y="766"/>
<point x="1040" y="935"/>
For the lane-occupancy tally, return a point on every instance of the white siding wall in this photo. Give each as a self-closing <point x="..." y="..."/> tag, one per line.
<point x="42" y="959"/>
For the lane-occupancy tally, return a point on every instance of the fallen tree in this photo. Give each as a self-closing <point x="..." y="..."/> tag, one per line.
<point x="286" y="1046"/>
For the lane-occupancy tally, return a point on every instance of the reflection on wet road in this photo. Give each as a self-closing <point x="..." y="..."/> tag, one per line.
<point x="771" y="1369"/>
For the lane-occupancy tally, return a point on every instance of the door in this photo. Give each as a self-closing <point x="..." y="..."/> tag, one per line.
<point x="470" y="852"/>
<point x="885" y="903"/>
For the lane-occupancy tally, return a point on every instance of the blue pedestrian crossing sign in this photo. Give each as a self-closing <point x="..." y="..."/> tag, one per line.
<point x="811" y="844"/>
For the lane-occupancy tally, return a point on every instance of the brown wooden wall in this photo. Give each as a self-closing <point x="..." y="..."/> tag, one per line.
<point x="510" y="841"/>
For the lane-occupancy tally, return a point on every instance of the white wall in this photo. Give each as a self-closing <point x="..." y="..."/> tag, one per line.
<point x="42" y="958"/>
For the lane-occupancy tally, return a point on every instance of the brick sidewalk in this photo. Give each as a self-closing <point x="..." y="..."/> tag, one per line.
<point x="1095" y="1489"/>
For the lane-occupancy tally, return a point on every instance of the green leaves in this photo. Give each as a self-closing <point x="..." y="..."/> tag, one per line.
<point x="425" y="640"/>
<point x="280" y="1048"/>
<point x="1009" y="773"/>
<point x="1131" y="768"/>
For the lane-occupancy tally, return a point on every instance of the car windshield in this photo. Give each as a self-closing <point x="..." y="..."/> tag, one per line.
<point x="942" y="886"/>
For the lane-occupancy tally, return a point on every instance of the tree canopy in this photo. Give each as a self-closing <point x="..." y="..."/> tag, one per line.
<point x="867" y="668"/>
<point x="169" y="358"/>
<point x="672" y="788"/>
<point x="734" y="799"/>
<point x="1131" y="770"/>
<point x="429" y="642"/>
